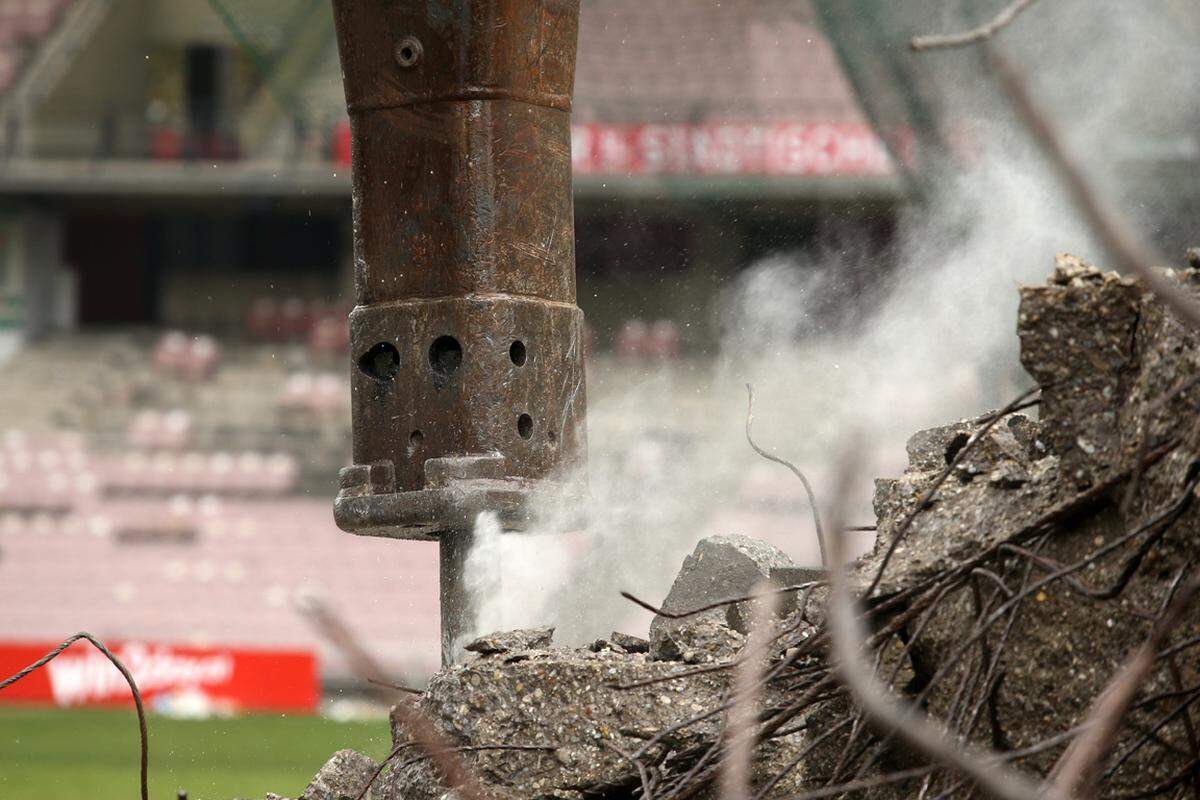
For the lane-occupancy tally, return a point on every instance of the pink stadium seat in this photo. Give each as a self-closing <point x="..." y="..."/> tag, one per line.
<point x="155" y="430"/>
<point x="9" y="61"/>
<point x="43" y="474"/>
<point x="296" y="390"/>
<point x="202" y="359"/>
<point x="329" y="336"/>
<point x="294" y="318"/>
<point x="167" y="472"/>
<point x="329" y="395"/>
<point x="171" y="351"/>
<point x="38" y="18"/>
<point x="314" y="395"/>
<point x="318" y="323"/>
<point x="631" y="339"/>
<point x="9" y="11"/>
<point x="262" y="320"/>
<point x="664" y="340"/>
<point x="193" y="358"/>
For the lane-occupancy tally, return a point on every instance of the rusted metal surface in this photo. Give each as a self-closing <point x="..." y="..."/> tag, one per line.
<point x="368" y="500"/>
<point x="468" y="383"/>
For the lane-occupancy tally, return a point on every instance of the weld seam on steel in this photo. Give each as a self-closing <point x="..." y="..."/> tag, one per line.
<point x="481" y="297"/>
<point x="554" y="102"/>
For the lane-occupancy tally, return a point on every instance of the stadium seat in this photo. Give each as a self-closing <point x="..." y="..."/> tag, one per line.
<point x="631" y="339"/>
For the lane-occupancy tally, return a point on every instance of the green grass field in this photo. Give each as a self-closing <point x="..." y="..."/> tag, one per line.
<point x="55" y="755"/>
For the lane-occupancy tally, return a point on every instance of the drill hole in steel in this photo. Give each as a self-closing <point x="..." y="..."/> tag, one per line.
<point x="525" y="426"/>
<point x="408" y="52"/>
<point x="415" y="439"/>
<point x="445" y="355"/>
<point x="381" y="362"/>
<point x="517" y="353"/>
<point x="552" y="437"/>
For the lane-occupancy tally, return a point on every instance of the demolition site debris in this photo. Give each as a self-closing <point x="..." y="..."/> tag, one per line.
<point x="1019" y="562"/>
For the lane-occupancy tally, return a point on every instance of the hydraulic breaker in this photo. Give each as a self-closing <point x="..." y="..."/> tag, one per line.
<point x="467" y="344"/>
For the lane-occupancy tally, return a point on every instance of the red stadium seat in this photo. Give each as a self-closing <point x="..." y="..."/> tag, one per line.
<point x="262" y="320"/>
<point x="341" y="143"/>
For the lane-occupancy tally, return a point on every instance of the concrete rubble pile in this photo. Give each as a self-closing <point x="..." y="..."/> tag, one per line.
<point x="1115" y="445"/>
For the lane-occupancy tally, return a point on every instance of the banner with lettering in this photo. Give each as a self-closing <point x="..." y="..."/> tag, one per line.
<point x="175" y="679"/>
<point x="802" y="149"/>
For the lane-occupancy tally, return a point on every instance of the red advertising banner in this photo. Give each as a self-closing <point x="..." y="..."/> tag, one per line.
<point x="186" y="680"/>
<point x="802" y="149"/>
<point x="729" y="148"/>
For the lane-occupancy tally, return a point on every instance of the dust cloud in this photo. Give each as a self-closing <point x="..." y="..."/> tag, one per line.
<point x="841" y="338"/>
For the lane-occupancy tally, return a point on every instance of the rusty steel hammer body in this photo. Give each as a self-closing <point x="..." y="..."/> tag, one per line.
<point x="467" y="344"/>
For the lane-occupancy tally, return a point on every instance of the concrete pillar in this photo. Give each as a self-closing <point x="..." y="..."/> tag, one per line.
<point x="51" y="297"/>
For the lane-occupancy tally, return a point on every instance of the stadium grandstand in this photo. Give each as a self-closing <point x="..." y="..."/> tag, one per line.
<point x="173" y="164"/>
<point x="175" y="273"/>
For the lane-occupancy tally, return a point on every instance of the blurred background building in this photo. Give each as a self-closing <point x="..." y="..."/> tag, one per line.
<point x="179" y="162"/>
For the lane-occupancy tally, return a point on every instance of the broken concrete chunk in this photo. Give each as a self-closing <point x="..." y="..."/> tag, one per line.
<point x="600" y="645"/>
<point x="740" y="616"/>
<point x="1078" y="343"/>
<point x="701" y="640"/>
<point x="721" y="567"/>
<point x="997" y="449"/>
<point x="342" y="777"/>
<point x="630" y="643"/>
<point x="1110" y="360"/>
<point x="1026" y="432"/>
<point x="1003" y="449"/>
<point x="1070" y="270"/>
<point x="571" y="701"/>
<point x="966" y="519"/>
<point x="621" y="643"/>
<point x="1005" y="480"/>
<point x="1008" y="476"/>
<point x="796" y="576"/>
<point x="513" y="641"/>
<point x="934" y="448"/>
<point x="576" y="715"/>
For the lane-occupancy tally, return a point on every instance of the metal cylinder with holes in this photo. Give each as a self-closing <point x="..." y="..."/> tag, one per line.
<point x="466" y="337"/>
